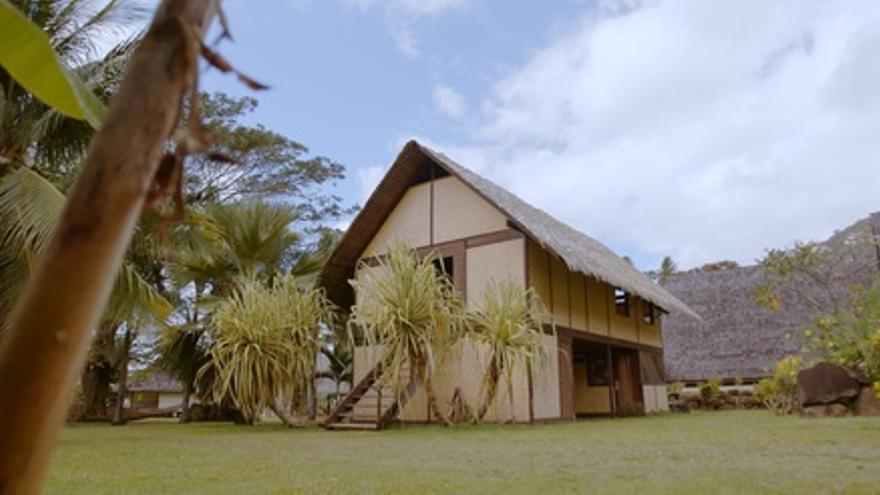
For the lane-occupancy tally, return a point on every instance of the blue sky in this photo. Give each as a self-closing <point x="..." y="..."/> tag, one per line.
<point x="700" y="130"/>
<point x="343" y="86"/>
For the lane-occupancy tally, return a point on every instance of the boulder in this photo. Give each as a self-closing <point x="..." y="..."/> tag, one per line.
<point x="838" y="410"/>
<point x="867" y="403"/>
<point x="826" y="383"/>
<point x="825" y="411"/>
<point x="859" y="376"/>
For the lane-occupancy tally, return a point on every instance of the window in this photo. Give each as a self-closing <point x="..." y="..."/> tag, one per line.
<point x="444" y="266"/>
<point x="648" y="313"/>
<point x="597" y="369"/>
<point x="621" y="301"/>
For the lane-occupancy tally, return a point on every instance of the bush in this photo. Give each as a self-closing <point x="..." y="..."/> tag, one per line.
<point x="710" y="390"/>
<point x="779" y="392"/>
<point x="850" y="338"/>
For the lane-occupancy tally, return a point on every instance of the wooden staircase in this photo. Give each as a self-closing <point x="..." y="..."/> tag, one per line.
<point x="371" y="404"/>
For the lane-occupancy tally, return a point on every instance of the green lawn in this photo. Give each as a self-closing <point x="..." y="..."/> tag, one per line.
<point x="729" y="452"/>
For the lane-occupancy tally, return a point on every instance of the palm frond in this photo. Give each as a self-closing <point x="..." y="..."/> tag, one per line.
<point x="77" y="31"/>
<point x="265" y="342"/>
<point x="508" y="330"/>
<point x="29" y="209"/>
<point x="411" y="311"/>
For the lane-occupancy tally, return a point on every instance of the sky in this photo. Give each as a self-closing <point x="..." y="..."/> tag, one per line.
<point x="701" y="130"/>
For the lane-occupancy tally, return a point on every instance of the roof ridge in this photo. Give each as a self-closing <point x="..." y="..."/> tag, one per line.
<point x="590" y="262"/>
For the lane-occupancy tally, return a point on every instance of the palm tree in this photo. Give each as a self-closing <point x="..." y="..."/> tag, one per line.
<point x="667" y="269"/>
<point x="34" y="134"/>
<point x="508" y="331"/>
<point x="217" y="248"/>
<point x="264" y="345"/>
<point x="414" y="313"/>
<point x="29" y="208"/>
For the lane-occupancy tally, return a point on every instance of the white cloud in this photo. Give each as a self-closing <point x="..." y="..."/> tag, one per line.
<point x="449" y="102"/>
<point x="402" y="15"/>
<point x="412" y="7"/>
<point x="704" y="130"/>
<point x="405" y="41"/>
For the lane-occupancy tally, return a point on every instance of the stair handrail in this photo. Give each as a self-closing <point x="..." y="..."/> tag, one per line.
<point x="362" y="386"/>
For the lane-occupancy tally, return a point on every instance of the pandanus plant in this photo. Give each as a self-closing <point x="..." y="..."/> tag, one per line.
<point x="265" y="345"/>
<point x="508" y="332"/>
<point x="413" y="312"/>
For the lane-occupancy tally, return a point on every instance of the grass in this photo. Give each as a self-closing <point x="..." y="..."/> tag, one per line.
<point x="726" y="452"/>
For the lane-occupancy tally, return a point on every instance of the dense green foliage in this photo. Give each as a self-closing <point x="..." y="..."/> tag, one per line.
<point x="26" y="53"/>
<point x="846" y="330"/>
<point x="267" y="165"/>
<point x="36" y="134"/>
<point x="850" y="338"/>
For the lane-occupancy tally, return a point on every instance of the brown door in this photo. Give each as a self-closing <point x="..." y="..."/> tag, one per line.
<point x="566" y="377"/>
<point x="627" y="381"/>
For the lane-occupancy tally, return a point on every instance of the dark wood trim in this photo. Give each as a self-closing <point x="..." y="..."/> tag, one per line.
<point x="431" y="207"/>
<point x="494" y="237"/>
<point x="568" y="290"/>
<point x="609" y="299"/>
<point x="612" y="387"/>
<point x="465" y="242"/>
<point x="602" y="339"/>
<point x="550" y="284"/>
<point x="593" y="415"/>
<point x="586" y="283"/>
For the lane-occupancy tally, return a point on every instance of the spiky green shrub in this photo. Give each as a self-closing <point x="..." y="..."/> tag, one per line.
<point x="710" y="391"/>
<point x="265" y="343"/>
<point x="508" y="332"/>
<point x="410" y="309"/>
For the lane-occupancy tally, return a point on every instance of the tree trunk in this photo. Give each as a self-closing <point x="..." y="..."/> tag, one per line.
<point x="45" y="345"/>
<point x="491" y="390"/>
<point x="432" y="402"/>
<point x="287" y="420"/>
<point x="97" y="374"/>
<point x="313" y="401"/>
<point x="184" y="406"/>
<point x="122" y="384"/>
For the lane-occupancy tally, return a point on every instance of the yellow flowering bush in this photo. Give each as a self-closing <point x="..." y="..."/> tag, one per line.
<point x="779" y="392"/>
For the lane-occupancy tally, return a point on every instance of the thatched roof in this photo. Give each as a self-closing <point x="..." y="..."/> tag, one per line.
<point x="739" y="338"/>
<point x="579" y="252"/>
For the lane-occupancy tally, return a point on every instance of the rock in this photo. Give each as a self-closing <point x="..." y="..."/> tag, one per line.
<point x="837" y="410"/>
<point x="678" y="406"/>
<point x="867" y="403"/>
<point x="825" y="411"/>
<point x="819" y="411"/>
<point x="826" y="383"/>
<point x="859" y="376"/>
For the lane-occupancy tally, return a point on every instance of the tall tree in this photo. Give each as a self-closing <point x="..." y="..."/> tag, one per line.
<point x="42" y="350"/>
<point x="668" y="268"/>
<point x="255" y="162"/>
<point x="35" y="134"/>
<point x="229" y="243"/>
